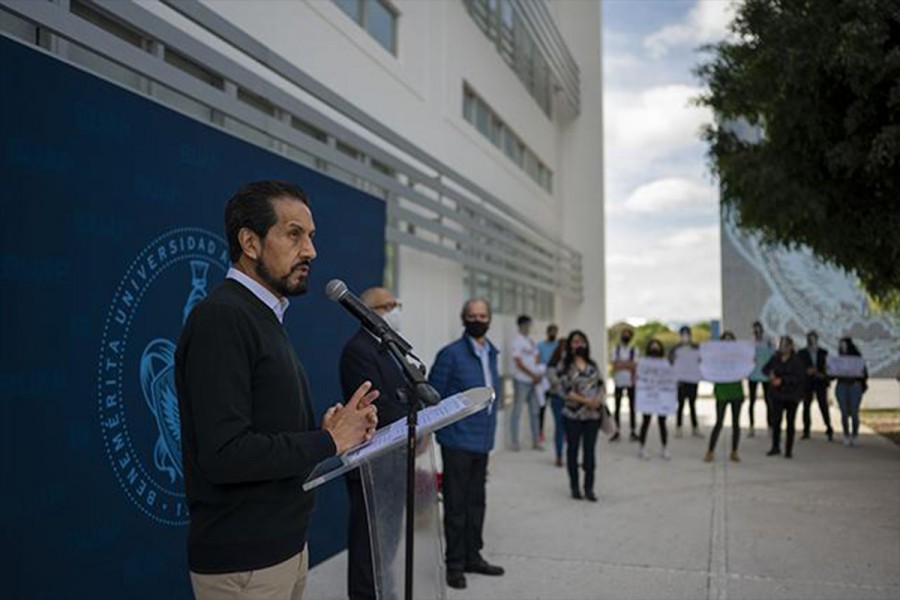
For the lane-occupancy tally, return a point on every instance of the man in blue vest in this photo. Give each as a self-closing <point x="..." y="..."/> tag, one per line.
<point x="469" y="362"/>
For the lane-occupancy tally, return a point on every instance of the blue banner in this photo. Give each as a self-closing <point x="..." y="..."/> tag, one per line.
<point x="112" y="231"/>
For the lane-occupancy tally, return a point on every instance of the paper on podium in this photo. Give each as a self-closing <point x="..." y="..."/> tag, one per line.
<point x="446" y="412"/>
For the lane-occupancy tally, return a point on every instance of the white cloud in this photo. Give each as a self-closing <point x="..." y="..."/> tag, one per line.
<point x="693" y="237"/>
<point x="707" y="22"/>
<point x="673" y="194"/>
<point x="652" y="122"/>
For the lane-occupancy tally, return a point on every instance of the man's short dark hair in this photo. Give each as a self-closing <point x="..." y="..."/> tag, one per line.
<point x="251" y="207"/>
<point x="523" y="320"/>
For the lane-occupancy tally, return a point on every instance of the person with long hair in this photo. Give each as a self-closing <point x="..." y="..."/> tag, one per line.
<point x="654" y="349"/>
<point x="787" y="377"/>
<point x="849" y="392"/>
<point x="727" y="394"/>
<point x="583" y="394"/>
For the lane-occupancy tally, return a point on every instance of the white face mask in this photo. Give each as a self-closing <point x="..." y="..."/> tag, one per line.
<point x="393" y="319"/>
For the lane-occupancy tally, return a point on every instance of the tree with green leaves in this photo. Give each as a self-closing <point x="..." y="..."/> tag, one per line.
<point x="806" y="144"/>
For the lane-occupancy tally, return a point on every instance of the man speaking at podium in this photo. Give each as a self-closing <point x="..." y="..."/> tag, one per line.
<point x="248" y="431"/>
<point x="469" y="362"/>
<point x="363" y="359"/>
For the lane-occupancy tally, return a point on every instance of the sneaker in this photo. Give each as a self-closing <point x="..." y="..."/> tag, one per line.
<point x="576" y="495"/>
<point x="788" y="455"/>
<point x="538" y="447"/>
<point x="805" y="435"/>
<point x="854" y="441"/>
<point x="615" y="437"/>
<point x="752" y="433"/>
<point x="559" y="462"/>
<point x="830" y="435"/>
<point x="634" y="437"/>
<point x="735" y="457"/>
<point x="847" y="440"/>
<point x="643" y="454"/>
<point x="590" y="496"/>
<point x="773" y="452"/>
<point x="665" y="454"/>
<point x="678" y="432"/>
<point x="695" y="432"/>
<point x="709" y="456"/>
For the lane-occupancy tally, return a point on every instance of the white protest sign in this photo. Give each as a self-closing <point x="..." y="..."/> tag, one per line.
<point x="656" y="387"/>
<point x="842" y="365"/>
<point x="726" y="361"/>
<point x="687" y="365"/>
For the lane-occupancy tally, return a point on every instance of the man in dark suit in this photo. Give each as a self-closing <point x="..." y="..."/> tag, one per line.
<point x="813" y="358"/>
<point x="363" y="359"/>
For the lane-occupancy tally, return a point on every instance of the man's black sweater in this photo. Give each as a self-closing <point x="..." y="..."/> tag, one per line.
<point x="248" y="434"/>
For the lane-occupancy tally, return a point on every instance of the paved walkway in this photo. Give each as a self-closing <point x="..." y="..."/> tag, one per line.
<point x="823" y="525"/>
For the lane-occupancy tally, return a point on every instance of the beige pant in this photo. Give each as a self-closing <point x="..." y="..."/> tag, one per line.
<point x="284" y="581"/>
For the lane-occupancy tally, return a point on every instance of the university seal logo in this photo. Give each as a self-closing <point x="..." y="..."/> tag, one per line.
<point x="138" y="406"/>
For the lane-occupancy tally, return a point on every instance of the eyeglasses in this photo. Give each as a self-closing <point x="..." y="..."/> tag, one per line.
<point x="389" y="306"/>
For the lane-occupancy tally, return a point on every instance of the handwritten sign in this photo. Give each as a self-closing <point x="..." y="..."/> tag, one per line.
<point x="842" y="365"/>
<point x="656" y="388"/>
<point x="687" y="365"/>
<point x="726" y="361"/>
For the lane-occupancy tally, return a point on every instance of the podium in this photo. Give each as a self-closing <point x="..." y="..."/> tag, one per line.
<point x="382" y="463"/>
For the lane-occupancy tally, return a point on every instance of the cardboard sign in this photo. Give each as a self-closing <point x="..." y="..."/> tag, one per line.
<point x="687" y="365"/>
<point x="845" y="366"/>
<point x="726" y="361"/>
<point x="656" y="388"/>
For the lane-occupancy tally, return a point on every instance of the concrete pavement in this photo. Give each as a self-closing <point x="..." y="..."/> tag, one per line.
<point x="823" y="525"/>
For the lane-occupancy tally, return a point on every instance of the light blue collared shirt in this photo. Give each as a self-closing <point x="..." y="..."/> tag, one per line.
<point x="483" y="351"/>
<point x="268" y="298"/>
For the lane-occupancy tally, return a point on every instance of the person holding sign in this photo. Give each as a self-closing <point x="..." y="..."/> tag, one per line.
<point x="688" y="376"/>
<point x="787" y="376"/>
<point x="656" y="394"/>
<point x="623" y="358"/>
<point x="583" y="393"/>
<point x="764" y="351"/>
<point x="852" y="379"/>
<point x="727" y="394"/>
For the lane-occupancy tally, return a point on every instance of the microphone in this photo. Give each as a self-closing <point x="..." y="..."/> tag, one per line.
<point x="338" y="291"/>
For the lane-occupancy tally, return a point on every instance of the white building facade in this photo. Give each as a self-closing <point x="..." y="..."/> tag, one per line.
<point x="478" y="122"/>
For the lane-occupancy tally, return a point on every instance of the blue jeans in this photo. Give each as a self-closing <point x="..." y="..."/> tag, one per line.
<point x="524" y="393"/>
<point x="559" y="433"/>
<point x="849" y="397"/>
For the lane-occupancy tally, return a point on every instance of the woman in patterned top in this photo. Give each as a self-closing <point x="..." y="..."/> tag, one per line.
<point x="583" y="393"/>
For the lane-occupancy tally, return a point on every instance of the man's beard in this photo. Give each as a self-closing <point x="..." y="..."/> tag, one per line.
<point x="281" y="285"/>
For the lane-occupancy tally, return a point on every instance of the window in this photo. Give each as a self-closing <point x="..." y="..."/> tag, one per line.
<point x="501" y="23"/>
<point x="377" y="17"/>
<point x="478" y="113"/>
<point x="507" y="296"/>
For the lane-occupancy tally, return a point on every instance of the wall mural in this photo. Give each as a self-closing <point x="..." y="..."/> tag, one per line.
<point x="792" y="292"/>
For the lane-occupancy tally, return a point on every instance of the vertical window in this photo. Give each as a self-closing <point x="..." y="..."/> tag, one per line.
<point x="377" y="17"/>
<point x="381" y="23"/>
<point x="490" y="125"/>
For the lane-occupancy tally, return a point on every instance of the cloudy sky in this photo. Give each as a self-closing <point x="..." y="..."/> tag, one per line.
<point x="662" y="216"/>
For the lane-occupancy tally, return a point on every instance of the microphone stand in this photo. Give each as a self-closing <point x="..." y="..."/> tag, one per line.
<point x="417" y="391"/>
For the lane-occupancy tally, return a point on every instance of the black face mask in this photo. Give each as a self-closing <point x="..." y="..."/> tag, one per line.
<point x="655" y="352"/>
<point x="580" y="351"/>
<point x="476" y="329"/>
<point x="626" y="339"/>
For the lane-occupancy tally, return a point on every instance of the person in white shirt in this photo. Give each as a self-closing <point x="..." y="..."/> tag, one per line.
<point x="624" y="360"/>
<point x="526" y="375"/>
